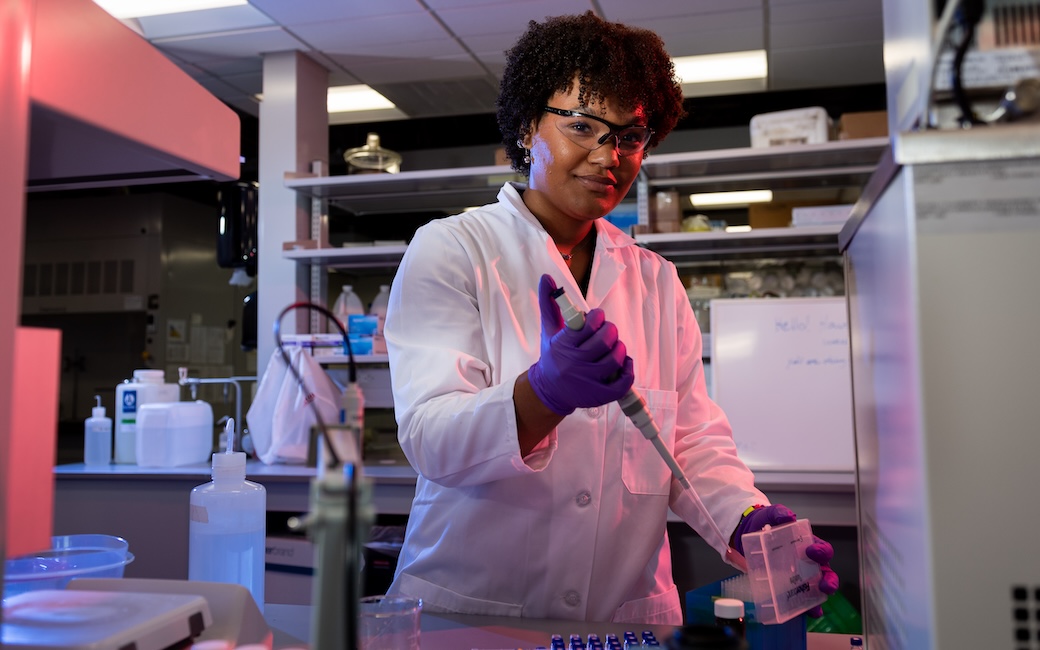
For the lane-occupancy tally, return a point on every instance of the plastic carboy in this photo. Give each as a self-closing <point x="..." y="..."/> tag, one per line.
<point x="379" y="305"/>
<point x="146" y="387"/>
<point x="228" y="525"/>
<point x="346" y="305"/>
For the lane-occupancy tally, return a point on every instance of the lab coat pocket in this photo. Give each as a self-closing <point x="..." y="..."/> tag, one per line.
<point x="642" y="468"/>
<point x="436" y="598"/>
<point x="660" y="609"/>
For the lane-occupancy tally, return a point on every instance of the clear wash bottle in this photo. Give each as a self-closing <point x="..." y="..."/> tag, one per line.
<point x="228" y="526"/>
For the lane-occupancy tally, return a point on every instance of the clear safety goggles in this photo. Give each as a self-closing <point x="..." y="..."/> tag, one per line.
<point x="591" y="132"/>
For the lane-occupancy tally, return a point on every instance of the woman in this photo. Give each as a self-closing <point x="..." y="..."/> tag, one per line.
<point x="536" y="496"/>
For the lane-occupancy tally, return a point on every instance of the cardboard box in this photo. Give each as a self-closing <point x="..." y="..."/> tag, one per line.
<point x="866" y="124"/>
<point x="769" y="215"/>
<point x="666" y="214"/>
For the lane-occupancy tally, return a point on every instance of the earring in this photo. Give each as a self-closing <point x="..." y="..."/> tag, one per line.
<point x="527" y="152"/>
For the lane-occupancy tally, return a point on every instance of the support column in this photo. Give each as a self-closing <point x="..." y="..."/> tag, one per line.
<point x="293" y="132"/>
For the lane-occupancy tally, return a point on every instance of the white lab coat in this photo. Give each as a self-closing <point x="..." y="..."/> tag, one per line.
<point x="576" y="530"/>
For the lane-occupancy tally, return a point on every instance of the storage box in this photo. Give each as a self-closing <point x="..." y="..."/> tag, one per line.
<point x="820" y="215"/>
<point x="667" y="213"/>
<point x="799" y="126"/>
<point x="769" y="215"/>
<point x="317" y="345"/>
<point x="784" y="582"/>
<point x="865" y="124"/>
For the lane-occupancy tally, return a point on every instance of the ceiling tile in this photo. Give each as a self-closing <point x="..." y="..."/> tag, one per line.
<point x="221" y="67"/>
<point x="294" y="12"/>
<point x="709" y="33"/>
<point x="246" y="42"/>
<point x="460" y="97"/>
<point x="444" y="57"/>
<point x="834" y="31"/>
<point x="843" y="65"/>
<point x="371" y="30"/>
<point x="403" y="70"/>
<point x="224" y="19"/>
<point x="627" y="11"/>
<point x="822" y="10"/>
<point x="511" y="18"/>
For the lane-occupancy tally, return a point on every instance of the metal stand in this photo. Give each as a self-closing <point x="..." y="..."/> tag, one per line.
<point x="340" y="517"/>
<point x="193" y="385"/>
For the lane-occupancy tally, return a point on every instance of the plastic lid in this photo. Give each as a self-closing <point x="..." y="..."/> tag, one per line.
<point x="150" y="376"/>
<point x="856" y="642"/>
<point x="729" y="608"/>
<point x="98" y="411"/>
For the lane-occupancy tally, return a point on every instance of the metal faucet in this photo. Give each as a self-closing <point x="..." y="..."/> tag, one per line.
<point x="193" y="385"/>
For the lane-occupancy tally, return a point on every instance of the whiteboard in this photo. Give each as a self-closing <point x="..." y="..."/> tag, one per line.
<point x="781" y="373"/>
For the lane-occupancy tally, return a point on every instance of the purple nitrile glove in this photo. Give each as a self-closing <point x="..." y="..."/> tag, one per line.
<point x="819" y="551"/>
<point x="578" y="368"/>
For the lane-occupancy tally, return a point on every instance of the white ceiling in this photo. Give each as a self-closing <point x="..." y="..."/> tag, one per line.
<point x="444" y="57"/>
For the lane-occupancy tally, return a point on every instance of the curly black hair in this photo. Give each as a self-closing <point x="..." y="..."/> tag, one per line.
<point x="626" y="65"/>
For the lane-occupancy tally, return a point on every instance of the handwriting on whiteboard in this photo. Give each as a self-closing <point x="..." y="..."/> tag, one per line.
<point x="834" y="340"/>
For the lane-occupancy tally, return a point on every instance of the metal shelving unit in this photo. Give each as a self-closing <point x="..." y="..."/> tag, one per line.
<point x="846" y="163"/>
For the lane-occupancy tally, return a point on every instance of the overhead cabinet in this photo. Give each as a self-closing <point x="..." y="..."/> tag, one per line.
<point x="108" y="109"/>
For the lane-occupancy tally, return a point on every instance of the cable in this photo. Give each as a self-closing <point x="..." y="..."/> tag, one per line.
<point x="969" y="17"/>
<point x="971" y="12"/>
<point x="942" y="29"/>
<point x="334" y="459"/>
<point x="351" y="590"/>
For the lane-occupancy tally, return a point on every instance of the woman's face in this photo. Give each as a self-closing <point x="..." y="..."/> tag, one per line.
<point x="569" y="180"/>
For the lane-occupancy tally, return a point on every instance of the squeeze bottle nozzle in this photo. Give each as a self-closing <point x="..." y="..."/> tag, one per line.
<point x="229" y="434"/>
<point x="98" y="411"/>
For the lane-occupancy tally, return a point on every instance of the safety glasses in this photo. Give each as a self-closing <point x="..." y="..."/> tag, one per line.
<point x="591" y="132"/>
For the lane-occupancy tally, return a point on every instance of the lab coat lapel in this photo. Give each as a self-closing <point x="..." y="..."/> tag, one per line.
<point x="607" y="264"/>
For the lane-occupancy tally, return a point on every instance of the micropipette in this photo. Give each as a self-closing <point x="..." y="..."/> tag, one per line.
<point x="634" y="406"/>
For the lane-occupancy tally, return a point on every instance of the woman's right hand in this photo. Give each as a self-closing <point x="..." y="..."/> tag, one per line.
<point x="578" y="368"/>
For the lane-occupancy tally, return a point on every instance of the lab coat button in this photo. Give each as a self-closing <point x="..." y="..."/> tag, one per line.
<point x="572" y="598"/>
<point x="592" y="412"/>
<point x="583" y="499"/>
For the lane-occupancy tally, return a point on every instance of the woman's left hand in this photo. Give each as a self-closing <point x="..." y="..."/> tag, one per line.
<point x="820" y="551"/>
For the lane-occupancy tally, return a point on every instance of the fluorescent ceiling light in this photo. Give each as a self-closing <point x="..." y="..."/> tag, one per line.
<point x="343" y="99"/>
<point x="729" y="66"/>
<point x="717" y="199"/>
<point x="124" y="9"/>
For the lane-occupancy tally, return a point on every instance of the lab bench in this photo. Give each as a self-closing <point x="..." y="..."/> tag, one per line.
<point x="291" y="626"/>
<point x="149" y="506"/>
